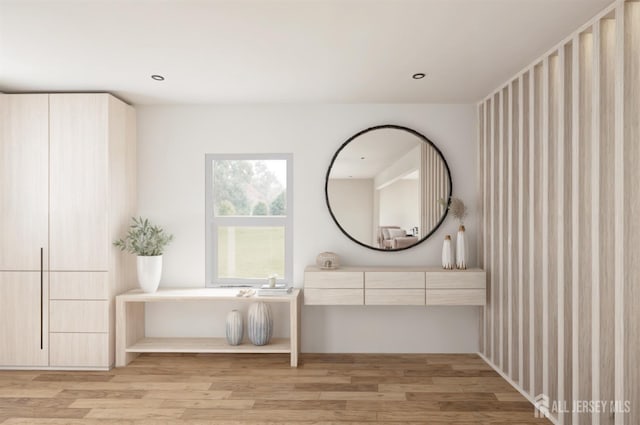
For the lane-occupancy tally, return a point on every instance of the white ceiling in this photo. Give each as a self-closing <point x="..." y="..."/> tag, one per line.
<point x="370" y="153"/>
<point x="279" y="51"/>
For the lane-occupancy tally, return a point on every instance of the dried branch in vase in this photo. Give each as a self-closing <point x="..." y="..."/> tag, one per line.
<point x="456" y="207"/>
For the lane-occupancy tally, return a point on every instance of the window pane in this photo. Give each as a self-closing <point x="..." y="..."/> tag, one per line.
<point x="250" y="187"/>
<point x="250" y="252"/>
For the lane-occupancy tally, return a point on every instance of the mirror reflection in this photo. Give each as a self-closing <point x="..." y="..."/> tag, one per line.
<point x="383" y="188"/>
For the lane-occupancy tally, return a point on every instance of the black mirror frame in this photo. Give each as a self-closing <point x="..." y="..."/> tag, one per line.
<point x="424" y="139"/>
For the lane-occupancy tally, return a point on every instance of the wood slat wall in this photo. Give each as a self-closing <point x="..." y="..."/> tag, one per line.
<point x="434" y="184"/>
<point x="559" y="148"/>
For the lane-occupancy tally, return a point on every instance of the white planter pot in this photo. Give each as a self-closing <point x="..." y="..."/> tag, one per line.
<point x="149" y="272"/>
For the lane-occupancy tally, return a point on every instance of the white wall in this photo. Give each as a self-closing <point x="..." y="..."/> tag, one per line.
<point x="352" y="205"/>
<point x="400" y="204"/>
<point x="172" y="141"/>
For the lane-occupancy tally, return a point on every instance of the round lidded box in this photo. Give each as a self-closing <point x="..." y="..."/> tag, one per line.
<point x="328" y="260"/>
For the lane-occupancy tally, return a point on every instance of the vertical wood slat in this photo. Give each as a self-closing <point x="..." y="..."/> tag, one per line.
<point x="631" y="210"/>
<point x="488" y="226"/>
<point x="565" y="229"/>
<point x="575" y="217"/>
<point x="504" y="348"/>
<point x="427" y="153"/>
<point x="434" y="181"/>
<point x="560" y="198"/>
<point x="431" y="187"/>
<point x="619" y="185"/>
<point x="586" y="211"/>
<point x="526" y="231"/>
<point x="481" y="208"/>
<point x="434" y="188"/>
<point x="532" y="232"/>
<point x="606" y="224"/>
<point x="495" y="225"/>
<point x="551" y="215"/>
<point x="512" y="261"/>
<point x="431" y="191"/>
<point x="500" y="229"/>
<point x="484" y="194"/>
<point x="509" y="235"/>
<point x="544" y="218"/>
<point x="521" y="237"/>
<point x="595" y="219"/>
<point x="537" y="254"/>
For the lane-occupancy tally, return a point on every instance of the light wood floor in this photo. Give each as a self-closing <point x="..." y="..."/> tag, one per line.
<point x="257" y="389"/>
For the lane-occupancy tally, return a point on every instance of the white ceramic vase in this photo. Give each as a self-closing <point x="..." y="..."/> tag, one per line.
<point x="149" y="272"/>
<point x="260" y="323"/>
<point x="447" y="254"/>
<point x="234" y="328"/>
<point x="461" y="249"/>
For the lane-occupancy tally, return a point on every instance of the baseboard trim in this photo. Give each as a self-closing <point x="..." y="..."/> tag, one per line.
<point x="58" y="368"/>
<point x="517" y="386"/>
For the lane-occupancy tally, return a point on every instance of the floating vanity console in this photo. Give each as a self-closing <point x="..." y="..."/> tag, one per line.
<point x="394" y="286"/>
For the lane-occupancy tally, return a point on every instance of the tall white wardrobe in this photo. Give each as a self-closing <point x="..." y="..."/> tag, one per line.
<point x="67" y="190"/>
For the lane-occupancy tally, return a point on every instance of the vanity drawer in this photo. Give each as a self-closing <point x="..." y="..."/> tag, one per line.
<point x="456" y="279"/>
<point x="456" y="297"/>
<point x="334" y="279"/>
<point x="394" y="280"/>
<point x="333" y="296"/>
<point x="78" y="316"/>
<point x="394" y="297"/>
<point x="79" y="350"/>
<point x="78" y="286"/>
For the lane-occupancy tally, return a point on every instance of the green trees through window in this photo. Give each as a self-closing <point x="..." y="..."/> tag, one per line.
<point x="249" y="187"/>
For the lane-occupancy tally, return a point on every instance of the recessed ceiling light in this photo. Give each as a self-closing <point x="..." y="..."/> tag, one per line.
<point x="418" y="76"/>
<point x="157" y="77"/>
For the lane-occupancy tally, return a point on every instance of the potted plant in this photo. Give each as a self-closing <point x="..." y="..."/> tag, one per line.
<point x="147" y="241"/>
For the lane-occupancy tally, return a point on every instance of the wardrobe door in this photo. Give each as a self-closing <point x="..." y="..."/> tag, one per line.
<point x="23" y="319"/>
<point x="24" y="151"/>
<point x="79" y="182"/>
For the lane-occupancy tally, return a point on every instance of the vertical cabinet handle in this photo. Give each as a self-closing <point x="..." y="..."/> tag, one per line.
<point x="41" y="297"/>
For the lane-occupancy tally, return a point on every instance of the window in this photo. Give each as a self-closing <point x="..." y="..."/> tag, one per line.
<point x="249" y="213"/>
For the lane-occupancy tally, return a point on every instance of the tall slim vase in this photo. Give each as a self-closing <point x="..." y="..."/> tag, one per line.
<point x="447" y="254"/>
<point x="461" y="249"/>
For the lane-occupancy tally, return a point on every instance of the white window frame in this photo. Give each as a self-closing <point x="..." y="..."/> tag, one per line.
<point x="213" y="223"/>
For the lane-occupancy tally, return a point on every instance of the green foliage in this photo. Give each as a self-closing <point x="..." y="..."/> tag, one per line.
<point x="260" y="209"/>
<point x="226" y="208"/>
<point x="265" y="182"/>
<point x="144" y="238"/>
<point x="243" y="183"/>
<point x="278" y="206"/>
<point x="231" y="179"/>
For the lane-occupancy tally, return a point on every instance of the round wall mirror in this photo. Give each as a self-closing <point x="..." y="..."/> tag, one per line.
<point x="385" y="188"/>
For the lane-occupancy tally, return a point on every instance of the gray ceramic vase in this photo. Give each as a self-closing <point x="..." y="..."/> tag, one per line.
<point x="234" y="328"/>
<point x="260" y="325"/>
